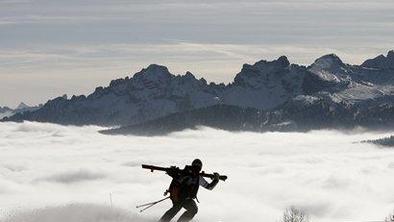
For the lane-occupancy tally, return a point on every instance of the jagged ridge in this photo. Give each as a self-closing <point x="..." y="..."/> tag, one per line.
<point x="275" y="87"/>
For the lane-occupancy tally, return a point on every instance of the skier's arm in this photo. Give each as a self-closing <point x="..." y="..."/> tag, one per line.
<point x="211" y="185"/>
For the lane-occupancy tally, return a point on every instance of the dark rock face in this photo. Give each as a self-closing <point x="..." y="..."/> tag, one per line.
<point x="379" y="70"/>
<point x="5" y="109"/>
<point x="262" y="71"/>
<point x="21" y="108"/>
<point x="385" y="142"/>
<point x="381" y="62"/>
<point x="266" y="84"/>
<point x="323" y="112"/>
<point x="225" y="117"/>
<point x="268" y="95"/>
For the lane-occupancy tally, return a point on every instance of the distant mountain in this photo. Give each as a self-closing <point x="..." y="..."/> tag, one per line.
<point x="381" y="62"/>
<point x="151" y="93"/>
<point x="5" y="111"/>
<point x="302" y="113"/>
<point x="328" y="93"/>
<point x="325" y="111"/>
<point x="386" y="142"/>
<point x="267" y="84"/>
<point x="22" y="107"/>
<point x="154" y="92"/>
<point x="226" y="117"/>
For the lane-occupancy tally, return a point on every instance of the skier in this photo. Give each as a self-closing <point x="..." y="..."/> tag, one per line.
<point x="183" y="190"/>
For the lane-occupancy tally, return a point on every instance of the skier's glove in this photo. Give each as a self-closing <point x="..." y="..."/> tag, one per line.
<point x="216" y="176"/>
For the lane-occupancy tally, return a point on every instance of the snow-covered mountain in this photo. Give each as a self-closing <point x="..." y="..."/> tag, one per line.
<point x="332" y="70"/>
<point x="5" y="111"/>
<point x="22" y="107"/>
<point x="266" y="84"/>
<point x="151" y="93"/>
<point x="324" y="94"/>
<point x="351" y="83"/>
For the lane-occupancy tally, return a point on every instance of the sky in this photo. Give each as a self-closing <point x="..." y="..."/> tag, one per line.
<point x="48" y="171"/>
<point x="52" y="47"/>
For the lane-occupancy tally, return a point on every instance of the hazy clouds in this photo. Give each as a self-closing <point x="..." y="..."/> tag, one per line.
<point x="327" y="173"/>
<point x="75" y="213"/>
<point x="73" y="46"/>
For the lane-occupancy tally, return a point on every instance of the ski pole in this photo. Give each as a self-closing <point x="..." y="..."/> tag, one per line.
<point x="149" y="205"/>
<point x="155" y="202"/>
<point x="146" y="208"/>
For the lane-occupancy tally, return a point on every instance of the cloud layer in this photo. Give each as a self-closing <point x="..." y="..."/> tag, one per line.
<point x="75" y="213"/>
<point x="327" y="173"/>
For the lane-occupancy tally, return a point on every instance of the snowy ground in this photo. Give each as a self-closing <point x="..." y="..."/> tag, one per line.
<point x="44" y="168"/>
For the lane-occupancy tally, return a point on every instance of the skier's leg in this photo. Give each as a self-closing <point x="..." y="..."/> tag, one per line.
<point x="176" y="207"/>
<point x="191" y="210"/>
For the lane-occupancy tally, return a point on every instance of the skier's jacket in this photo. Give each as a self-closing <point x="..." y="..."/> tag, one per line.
<point x="185" y="184"/>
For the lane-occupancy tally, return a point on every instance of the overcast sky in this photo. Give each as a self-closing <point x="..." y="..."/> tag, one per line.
<point x="52" y="47"/>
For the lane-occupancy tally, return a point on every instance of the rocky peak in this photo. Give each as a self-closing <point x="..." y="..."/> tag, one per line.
<point x="5" y="109"/>
<point x="283" y="61"/>
<point x="264" y="66"/>
<point x="280" y="63"/>
<point x="22" y="106"/>
<point x="390" y="54"/>
<point x="264" y="73"/>
<point x="189" y="75"/>
<point x="381" y="61"/>
<point x="187" y="79"/>
<point x="327" y="62"/>
<point x="155" y="73"/>
<point x="331" y="68"/>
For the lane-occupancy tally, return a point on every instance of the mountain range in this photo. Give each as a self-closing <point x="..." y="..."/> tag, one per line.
<point x="268" y="95"/>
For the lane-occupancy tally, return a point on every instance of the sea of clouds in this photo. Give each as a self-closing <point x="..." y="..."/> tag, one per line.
<point x="59" y="173"/>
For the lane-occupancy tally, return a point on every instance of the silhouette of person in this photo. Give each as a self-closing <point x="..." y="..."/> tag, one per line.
<point x="183" y="190"/>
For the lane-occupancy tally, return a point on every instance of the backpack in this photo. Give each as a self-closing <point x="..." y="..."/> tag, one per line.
<point x="179" y="190"/>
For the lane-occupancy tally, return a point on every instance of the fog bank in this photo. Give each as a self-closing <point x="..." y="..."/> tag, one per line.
<point x="45" y="167"/>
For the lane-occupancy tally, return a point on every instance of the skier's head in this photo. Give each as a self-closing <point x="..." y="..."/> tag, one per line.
<point x="197" y="165"/>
